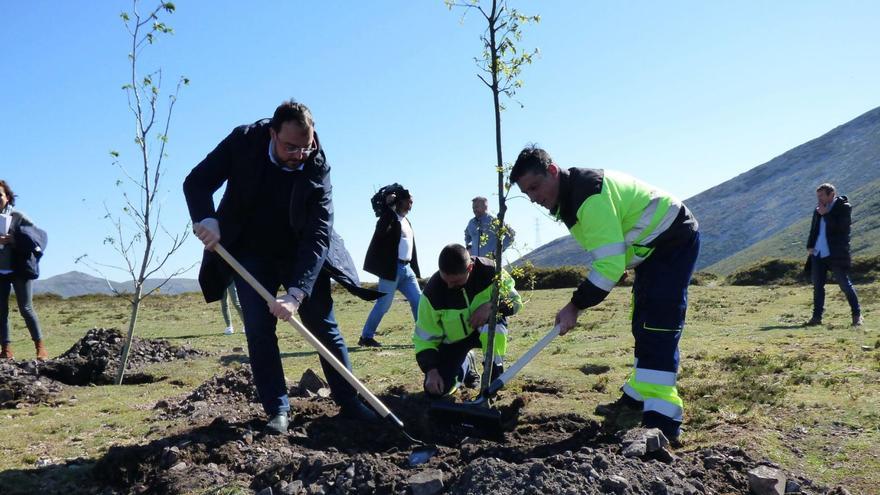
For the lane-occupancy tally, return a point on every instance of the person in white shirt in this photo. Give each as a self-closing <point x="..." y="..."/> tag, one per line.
<point x="392" y="257"/>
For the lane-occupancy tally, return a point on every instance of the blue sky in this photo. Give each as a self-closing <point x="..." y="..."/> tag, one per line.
<point x="684" y="94"/>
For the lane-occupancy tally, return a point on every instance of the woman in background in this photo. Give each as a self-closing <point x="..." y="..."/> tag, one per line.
<point x="12" y="278"/>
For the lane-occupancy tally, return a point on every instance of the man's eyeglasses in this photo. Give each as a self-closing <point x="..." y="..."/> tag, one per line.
<point x="291" y="150"/>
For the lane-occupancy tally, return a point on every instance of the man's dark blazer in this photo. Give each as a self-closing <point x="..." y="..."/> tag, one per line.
<point x="837" y="231"/>
<point x="240" y="160"/>
<point x="381" y="259"/>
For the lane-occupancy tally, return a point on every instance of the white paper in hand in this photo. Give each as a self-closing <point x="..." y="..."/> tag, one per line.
<point x="5" y="224"/>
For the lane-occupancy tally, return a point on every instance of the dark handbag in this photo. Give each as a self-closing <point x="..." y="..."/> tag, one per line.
<point x="30" y="243"/>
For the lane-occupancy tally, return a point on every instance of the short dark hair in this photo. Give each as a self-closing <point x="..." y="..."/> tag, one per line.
<point x="827" y="188"/>
<point x="10" y="196"/>
<point x="454" y="259"/>
<point x="481" y="199"/>
<point x="292" y="111"/>
<point x="531" y="159"/>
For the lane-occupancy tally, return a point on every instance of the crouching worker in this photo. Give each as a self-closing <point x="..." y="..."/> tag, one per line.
<point x="453" y="319"/>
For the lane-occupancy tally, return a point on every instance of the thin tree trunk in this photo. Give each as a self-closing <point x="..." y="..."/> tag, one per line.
<point x="489" y="362"/>
<point x="135" y="305"/>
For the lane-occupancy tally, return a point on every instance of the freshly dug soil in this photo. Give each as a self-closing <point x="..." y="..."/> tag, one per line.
<point x="21" y="384"/>
<point x="227" y="452"/>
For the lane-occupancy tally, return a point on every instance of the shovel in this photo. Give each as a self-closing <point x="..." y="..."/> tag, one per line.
<point x="421" y="453"/>
<point x="478" y="417"/>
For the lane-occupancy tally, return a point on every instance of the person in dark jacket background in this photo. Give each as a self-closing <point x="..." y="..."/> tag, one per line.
<point x="392" y="257"/>
<point x="12" y="277"/>
<point x="276" y="218"/>
<point x="828" y="246"/>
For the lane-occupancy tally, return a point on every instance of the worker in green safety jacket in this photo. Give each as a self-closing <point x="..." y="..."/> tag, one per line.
<point x="623" y="223"/>
<point x="453" y="319"/>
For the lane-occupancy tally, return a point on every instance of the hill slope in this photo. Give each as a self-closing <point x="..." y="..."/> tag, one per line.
<point x="791" y="242"/>
<point x="79" y="284"/>
<point x="771" y="197"/>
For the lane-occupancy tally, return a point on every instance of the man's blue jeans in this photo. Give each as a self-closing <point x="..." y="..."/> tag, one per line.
<point x="407" y="284"/>
<point x="316" y="313"/>
<point x="24" y="296"/>
<point x="819" y="275"/>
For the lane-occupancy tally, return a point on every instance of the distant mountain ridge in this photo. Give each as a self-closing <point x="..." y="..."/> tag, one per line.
<point x="75" y="283"/>
<point x="770" y="198"/>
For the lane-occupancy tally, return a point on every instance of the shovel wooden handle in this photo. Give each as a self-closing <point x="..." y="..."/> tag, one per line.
<point x="311" y="339"/>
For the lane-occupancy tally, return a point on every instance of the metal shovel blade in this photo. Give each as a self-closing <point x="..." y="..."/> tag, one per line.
<point x="476" y="419"/>
<point x="421" y="455"/>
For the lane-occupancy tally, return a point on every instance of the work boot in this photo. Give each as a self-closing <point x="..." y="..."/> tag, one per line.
<point x="6" y="352"/>
<point x="42" y="355"/>
<point x="623" y="403"/>
<point x="813" y="322"/>
<point x="472" y="377"/>
<point x="368" y="342"/>
<point x="858" y="321"/>
<point x="278" y="424"/>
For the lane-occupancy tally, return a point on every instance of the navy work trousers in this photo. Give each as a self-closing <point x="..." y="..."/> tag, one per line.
<point x="659" y="309"/>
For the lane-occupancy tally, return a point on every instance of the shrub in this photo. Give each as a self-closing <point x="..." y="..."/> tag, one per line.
<point x="865" y="269"/>
<point x="704" y="278"/>
<point x="528" y="276"/>
<point x="770" y="271"/>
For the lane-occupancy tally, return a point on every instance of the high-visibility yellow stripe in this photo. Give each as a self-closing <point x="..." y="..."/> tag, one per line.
<point x="644" y="221"/>
<point x="612" y="249"/>
<point x="425" y="335"/>
<point x="601" y="281"/>
<point x="655" y="377"/>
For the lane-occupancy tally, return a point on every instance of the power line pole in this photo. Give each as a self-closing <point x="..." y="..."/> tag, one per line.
<point x="537" y="233"/>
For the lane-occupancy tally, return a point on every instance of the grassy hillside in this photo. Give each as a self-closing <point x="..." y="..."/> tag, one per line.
<point x="791" y="242"/>
<point x="807" y="399"/>
<point x="767" y="199"/>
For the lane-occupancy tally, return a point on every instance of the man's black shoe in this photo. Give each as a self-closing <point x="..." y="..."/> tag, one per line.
<point x="813" y="322"/>
<point x="368" y="342"/>
<point x="624" y="403"/>
<point x="278" y="424"/>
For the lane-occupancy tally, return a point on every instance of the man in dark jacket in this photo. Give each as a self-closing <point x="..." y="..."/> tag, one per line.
<point x="392" y="257"/>
<point x="276" y="218"/>
<point x="828" y="246"/>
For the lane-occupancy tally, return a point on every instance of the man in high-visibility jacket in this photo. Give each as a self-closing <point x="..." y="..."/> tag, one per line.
<point x="453" y="315"/>
<point x="622" y="223"/>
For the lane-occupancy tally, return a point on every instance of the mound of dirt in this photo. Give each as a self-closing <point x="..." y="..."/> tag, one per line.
<point x="21" y="384"/>
<point x="323" y="453"/>
<point x="94" y="359"/>
<point x="231" y="394"/>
